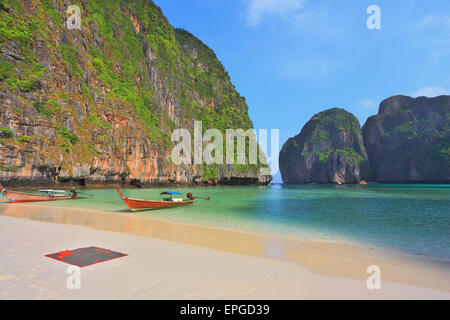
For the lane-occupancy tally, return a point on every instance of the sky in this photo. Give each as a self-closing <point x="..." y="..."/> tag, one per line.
<point x="292" y="59"/>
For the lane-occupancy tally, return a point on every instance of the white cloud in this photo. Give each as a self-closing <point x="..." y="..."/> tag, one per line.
<point x="433" y="20"/>
<point x="258" y="10"/>
<point x="431" y="92"/>
<point x="367" y="104"/>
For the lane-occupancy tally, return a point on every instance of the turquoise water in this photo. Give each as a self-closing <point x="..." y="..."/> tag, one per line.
<point x="414" y="219"/>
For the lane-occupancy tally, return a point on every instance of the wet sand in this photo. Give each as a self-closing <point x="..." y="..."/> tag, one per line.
<point x="169" y="260"/>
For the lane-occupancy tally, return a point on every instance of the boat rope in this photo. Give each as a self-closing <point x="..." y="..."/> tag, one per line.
<point x="85" y="194"/>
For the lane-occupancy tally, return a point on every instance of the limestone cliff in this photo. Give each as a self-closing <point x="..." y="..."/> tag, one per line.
<point x="98" y="105"/>
<point x="329" y="149"/>
<point x="409" y="140"/>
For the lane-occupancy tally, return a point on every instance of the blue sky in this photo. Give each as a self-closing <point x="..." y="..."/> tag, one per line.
<point x="294" y="58"/>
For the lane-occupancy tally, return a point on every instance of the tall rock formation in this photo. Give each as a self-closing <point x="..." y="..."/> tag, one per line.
<point x="409" y="140"/>
<point x="98" y="105"/>
<point x="329" y="149"/>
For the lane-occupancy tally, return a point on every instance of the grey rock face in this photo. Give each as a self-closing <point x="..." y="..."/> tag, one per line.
<point x="11" y="52"/>
<point x="409" y="140"/>
<point x="329" y="149"/>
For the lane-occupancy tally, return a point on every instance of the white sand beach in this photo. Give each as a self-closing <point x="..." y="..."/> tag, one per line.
<point x="185" y="268"/>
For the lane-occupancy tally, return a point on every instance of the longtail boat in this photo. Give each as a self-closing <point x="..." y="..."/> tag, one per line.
<point x="44" y="195"/>
<point x="167" y="201"/>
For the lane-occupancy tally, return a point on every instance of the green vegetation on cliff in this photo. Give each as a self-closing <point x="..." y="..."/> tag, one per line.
<point x="329" y="149"/>
<point x="224" y="108"/>
<point x="327" y="124"/>
<point x="409" y="140"/>
<point x="127" y="63"/>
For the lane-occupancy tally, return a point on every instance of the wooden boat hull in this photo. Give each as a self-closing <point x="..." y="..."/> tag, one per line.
<point x="141" y="205"/>
<point x="20" y="197"/>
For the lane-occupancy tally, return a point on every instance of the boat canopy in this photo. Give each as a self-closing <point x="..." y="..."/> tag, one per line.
<point x="170" y="192"/>
<point x="52" y="191"/>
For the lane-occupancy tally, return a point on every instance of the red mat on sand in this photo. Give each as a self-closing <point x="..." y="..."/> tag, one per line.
<point x="84" y="257"/>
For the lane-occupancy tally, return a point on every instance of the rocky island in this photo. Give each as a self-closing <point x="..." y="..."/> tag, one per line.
<point x="408" y="141"/>
<point x="329" y="149"/>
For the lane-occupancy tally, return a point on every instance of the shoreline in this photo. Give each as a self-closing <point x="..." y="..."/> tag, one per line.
<point x="19" y="186"/>
<point x="159" y="269"/>
<point x="329" y="258"/>
<point x="128" y="213"/>
<point x="35" y="185"/>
